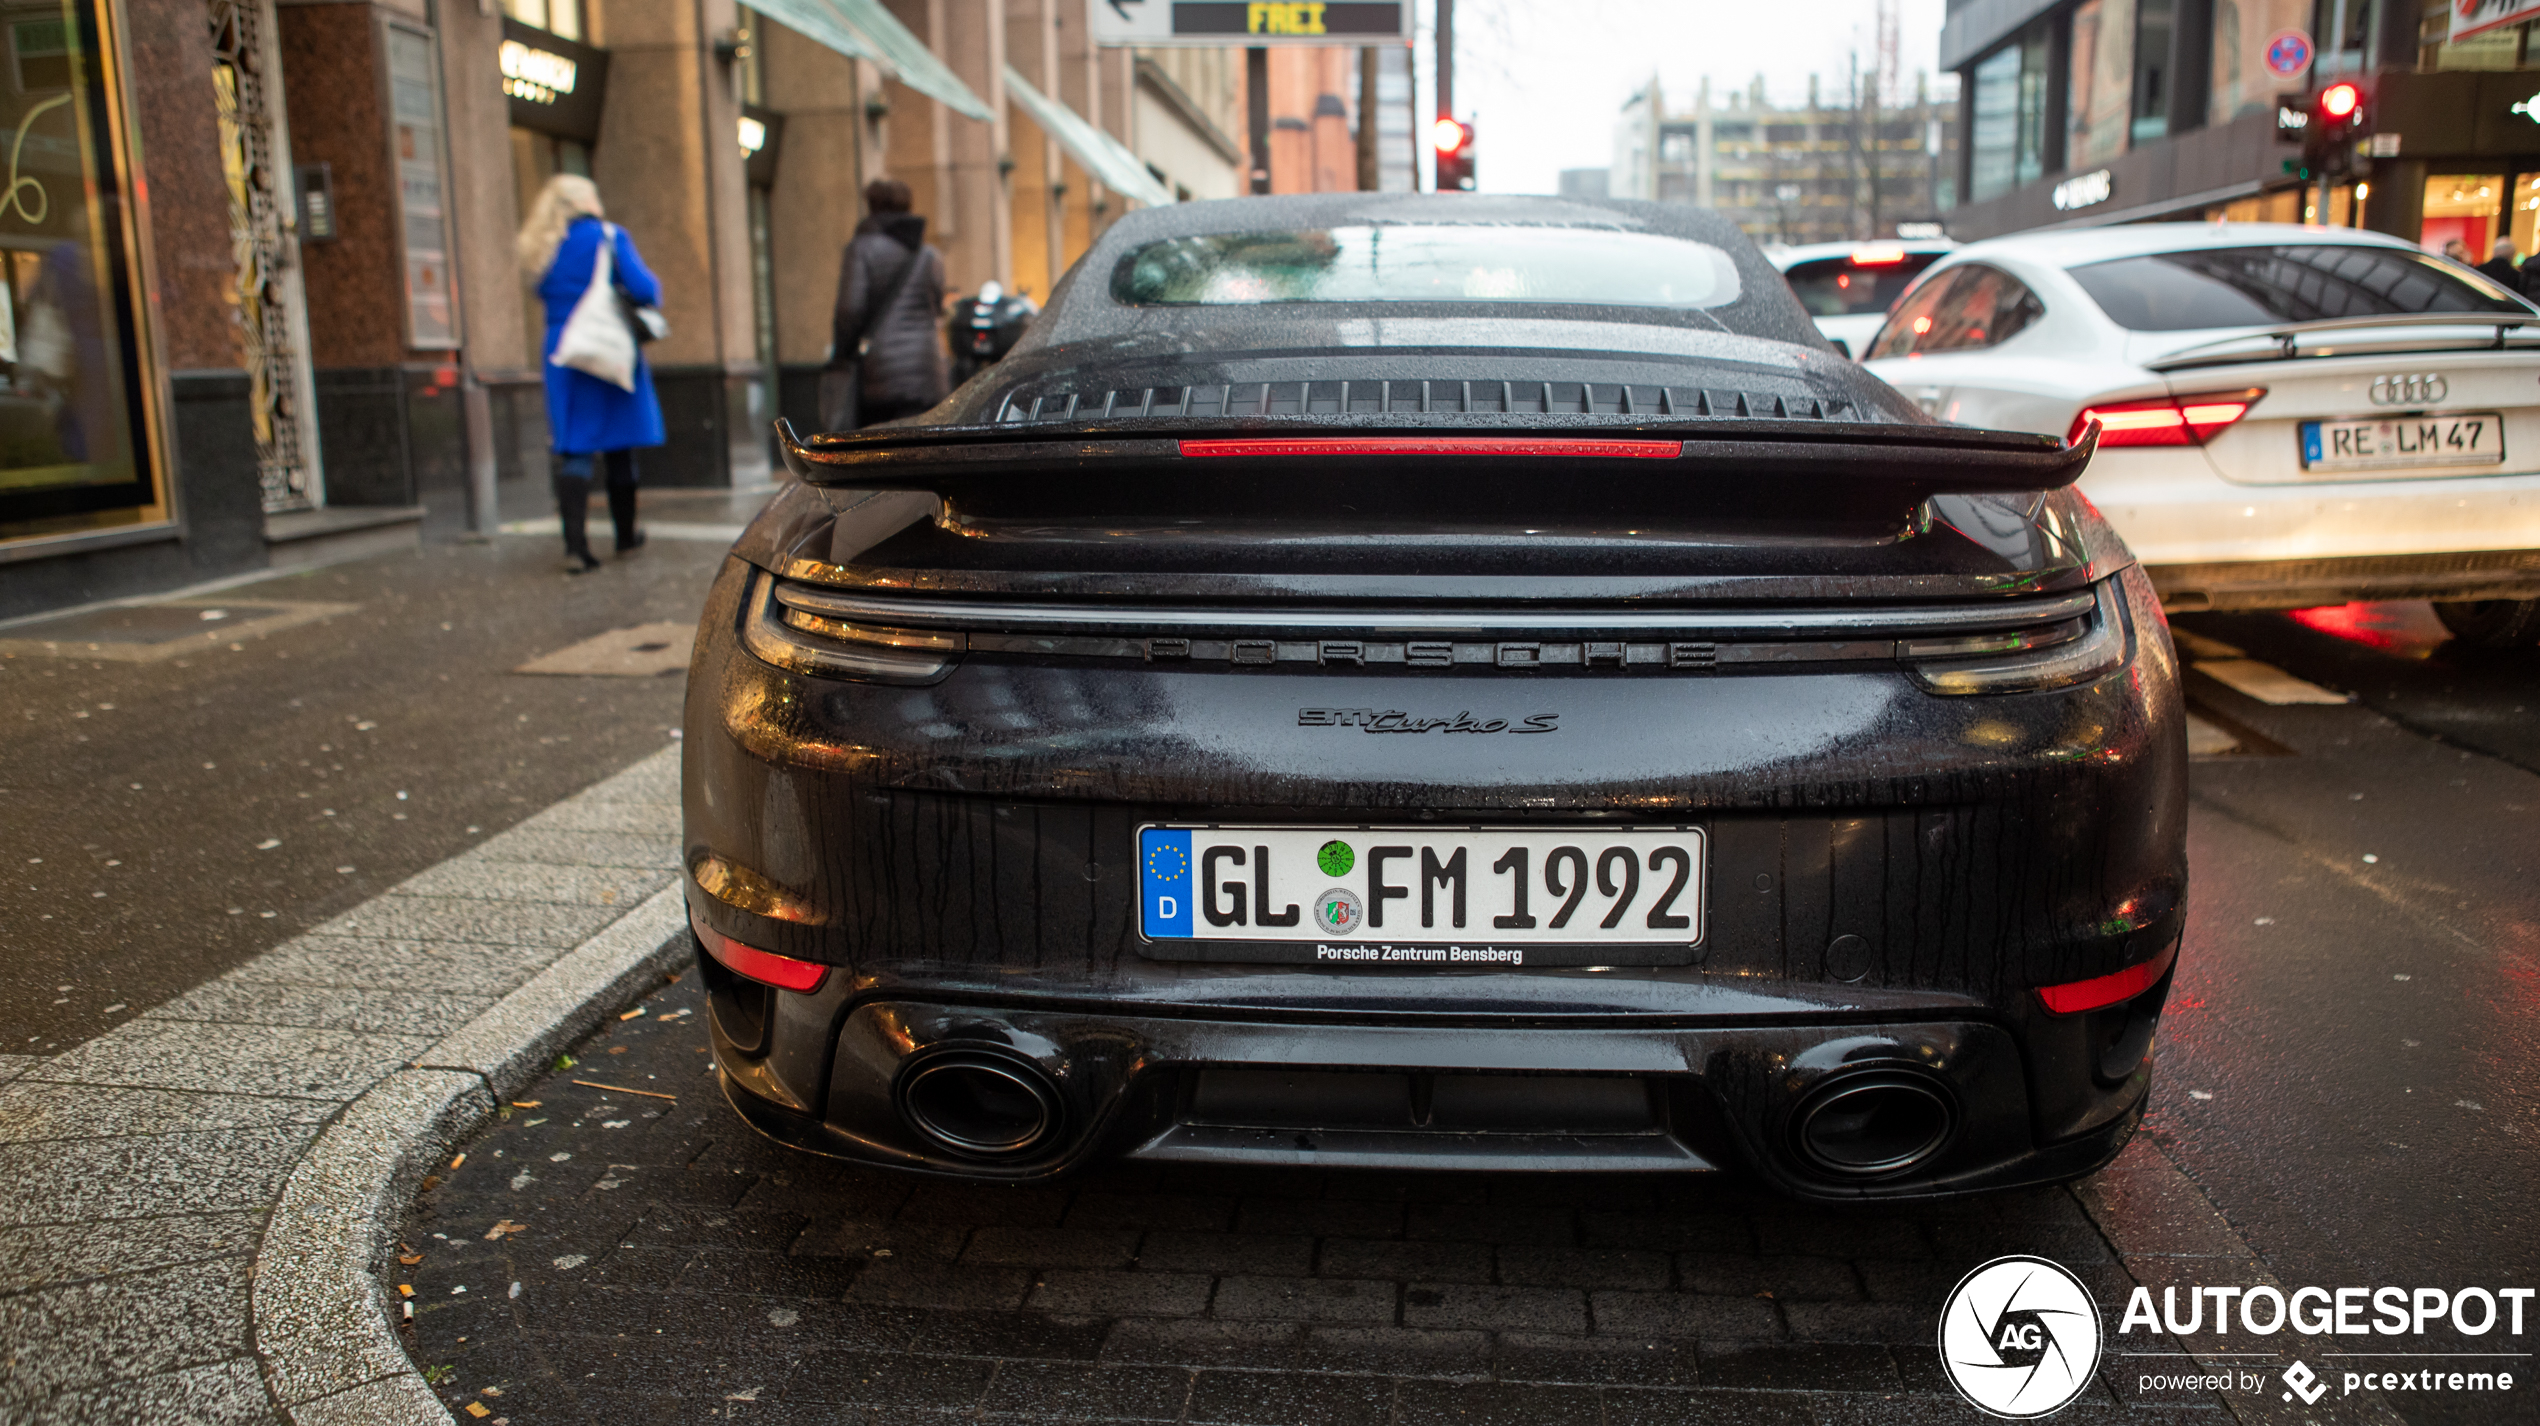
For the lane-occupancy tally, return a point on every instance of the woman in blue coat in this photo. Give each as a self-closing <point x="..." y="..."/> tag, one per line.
<point x="592" y="422"/>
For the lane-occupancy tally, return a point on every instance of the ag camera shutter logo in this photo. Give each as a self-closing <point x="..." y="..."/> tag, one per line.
<point x="2019" y="1337"/>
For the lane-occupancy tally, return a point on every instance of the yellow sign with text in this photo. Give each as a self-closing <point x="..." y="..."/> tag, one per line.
<point x="1285" y="17"/>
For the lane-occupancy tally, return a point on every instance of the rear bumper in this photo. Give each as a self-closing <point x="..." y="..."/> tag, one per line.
<point x="1127" y="1082"/>
<point x="2296" y="543"/>
<point x="2303" y="583"/>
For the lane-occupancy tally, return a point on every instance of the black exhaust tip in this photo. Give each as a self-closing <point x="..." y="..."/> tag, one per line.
<point x="980" y="1103"/>
<point x="1869" y="1125"/>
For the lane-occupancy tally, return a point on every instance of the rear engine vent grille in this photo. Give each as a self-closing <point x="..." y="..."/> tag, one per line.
<point x="1451" y="398"/>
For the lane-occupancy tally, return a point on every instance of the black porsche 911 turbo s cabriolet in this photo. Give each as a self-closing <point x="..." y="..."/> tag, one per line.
<point x="1449" y="682"/>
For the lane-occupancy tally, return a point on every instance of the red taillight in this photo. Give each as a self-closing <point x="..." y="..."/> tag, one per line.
<point x="2166" y="420"/>
<point x="1434" y="446"/>
<point x="2099" y="992"/>
<point x="765" y="967"/>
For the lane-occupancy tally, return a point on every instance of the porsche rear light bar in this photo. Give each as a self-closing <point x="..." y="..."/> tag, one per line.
<point x="765" y="967"/>
<point x="2166" y="420"/>
<point x="2100" y="992"/>
<point x="1434" y="446"/>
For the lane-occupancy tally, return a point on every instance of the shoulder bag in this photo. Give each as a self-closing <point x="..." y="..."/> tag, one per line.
<point x="644" y="321"/>
<point x="597" y="339"/>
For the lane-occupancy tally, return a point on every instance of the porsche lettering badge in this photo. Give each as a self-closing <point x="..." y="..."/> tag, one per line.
<point x="1394" y="720"/>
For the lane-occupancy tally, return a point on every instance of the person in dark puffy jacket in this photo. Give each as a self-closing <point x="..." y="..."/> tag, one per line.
<point x="890" y="294"/>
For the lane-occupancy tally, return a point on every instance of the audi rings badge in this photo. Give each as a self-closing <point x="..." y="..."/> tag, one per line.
<point x="2420" y="389"/>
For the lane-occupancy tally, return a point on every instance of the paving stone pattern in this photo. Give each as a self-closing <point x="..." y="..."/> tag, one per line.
<point x="141" y="1166"/>
<point x="607" y="1257"/>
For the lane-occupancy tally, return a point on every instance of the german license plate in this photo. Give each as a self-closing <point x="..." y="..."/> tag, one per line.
<point x="2404" y="442"/>
<point x="1466" y="898"/>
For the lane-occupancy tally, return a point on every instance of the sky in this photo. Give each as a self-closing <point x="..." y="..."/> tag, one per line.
<point x="1542" y="80"/>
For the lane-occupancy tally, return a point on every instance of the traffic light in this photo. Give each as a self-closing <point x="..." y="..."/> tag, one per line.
<point x="1453" y="139"/>
<point x="2341" y="115"/>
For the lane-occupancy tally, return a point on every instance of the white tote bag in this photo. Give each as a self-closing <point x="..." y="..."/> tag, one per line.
<point x="595" y="339"/>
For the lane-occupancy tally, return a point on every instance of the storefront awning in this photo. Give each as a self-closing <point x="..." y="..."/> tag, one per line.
<point x="862" y="29"/>
<point x="1103" y="156"/>
<point x="906" y="56"/>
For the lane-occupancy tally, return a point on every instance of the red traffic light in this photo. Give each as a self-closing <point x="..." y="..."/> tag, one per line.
<point x="2339" y="100"/>
<point x="1448" y="136"/>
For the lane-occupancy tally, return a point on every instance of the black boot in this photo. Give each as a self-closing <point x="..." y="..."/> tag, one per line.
<point x="621" y="481"/>
<point x="573" y="507"/>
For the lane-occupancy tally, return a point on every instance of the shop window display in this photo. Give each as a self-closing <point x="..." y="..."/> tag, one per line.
<point x="2463" y="206"/>
<point x="2526" y="214"/>
<point x="2102" y="81"/>
<point x="2151" y="97"/>
<point x="75" y="442"/>
<point x="2009" y="136"/>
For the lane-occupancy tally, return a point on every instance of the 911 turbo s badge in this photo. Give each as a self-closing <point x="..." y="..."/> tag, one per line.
<point x="1394" y="720"/>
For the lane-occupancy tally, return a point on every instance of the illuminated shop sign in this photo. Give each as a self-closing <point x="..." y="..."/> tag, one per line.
<point x="554" y="85"/>
<point x="1251" y="22"/>
<point x="762" y="134"/>
<point x="2085" y="191"/>
<point x="539" y="76"/>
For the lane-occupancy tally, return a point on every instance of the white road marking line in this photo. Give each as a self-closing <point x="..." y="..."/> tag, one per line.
<point x="2266" y="683"/>
<point x="2205" y="740"/>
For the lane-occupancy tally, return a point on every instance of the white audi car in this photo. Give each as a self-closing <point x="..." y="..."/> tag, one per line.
<point x="1848" y="288"/>
<point x="2289" y="416"/>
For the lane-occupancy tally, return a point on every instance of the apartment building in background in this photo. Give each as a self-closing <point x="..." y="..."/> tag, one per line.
<point x="1839" y="167"/>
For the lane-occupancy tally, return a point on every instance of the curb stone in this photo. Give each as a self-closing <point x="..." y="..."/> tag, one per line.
<point x="322" y="1321"/>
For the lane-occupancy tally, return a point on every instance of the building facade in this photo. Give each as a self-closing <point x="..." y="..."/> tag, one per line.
<point x="261" y="305"/>
<point x="1835" y="169"/>
<point x="2099" y="111"/>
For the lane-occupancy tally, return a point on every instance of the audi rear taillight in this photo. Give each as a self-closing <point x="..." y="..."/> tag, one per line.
<point x="2166" y="420"/>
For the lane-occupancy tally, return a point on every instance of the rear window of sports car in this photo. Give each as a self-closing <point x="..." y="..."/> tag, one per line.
<point x="1427" y="263"/>
<point x="2264" y="286"/>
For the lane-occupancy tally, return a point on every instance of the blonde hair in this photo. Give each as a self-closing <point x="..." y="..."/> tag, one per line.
<point x="566" y="197"/>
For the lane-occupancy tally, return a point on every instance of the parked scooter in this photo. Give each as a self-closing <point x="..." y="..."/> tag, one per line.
<point x="984" y="328"/>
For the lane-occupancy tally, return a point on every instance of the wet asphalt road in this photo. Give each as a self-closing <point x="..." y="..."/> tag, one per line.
<point x="2346" y="1074"/>
<point x="2348" y="1063"/>
<point x="136" y="797"/>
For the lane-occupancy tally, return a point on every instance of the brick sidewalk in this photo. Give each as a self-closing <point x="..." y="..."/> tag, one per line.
<point x="615" y="1258"/>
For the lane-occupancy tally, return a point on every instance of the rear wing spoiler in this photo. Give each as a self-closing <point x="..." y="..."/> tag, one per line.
<point x="1763" y="462"/>
<point x="2287" y="339"/>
